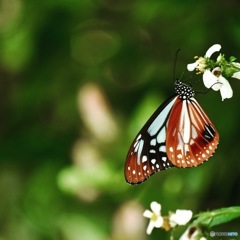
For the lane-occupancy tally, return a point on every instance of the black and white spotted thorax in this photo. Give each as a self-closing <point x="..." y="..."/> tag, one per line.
<point x="184" y="91"/>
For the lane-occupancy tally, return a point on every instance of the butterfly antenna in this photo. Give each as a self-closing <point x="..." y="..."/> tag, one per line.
<point x="175" y="65"/>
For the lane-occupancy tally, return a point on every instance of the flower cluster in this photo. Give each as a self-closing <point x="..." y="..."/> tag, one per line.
<point x="216" y="72"/>
<point x="180" y="217"/>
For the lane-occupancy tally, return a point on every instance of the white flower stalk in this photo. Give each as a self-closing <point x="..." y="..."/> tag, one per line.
<point x="156" y="220"/>
<point x="181" y="217"/>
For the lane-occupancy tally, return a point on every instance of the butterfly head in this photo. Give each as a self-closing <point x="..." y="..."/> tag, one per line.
<point x="183" y="90"/>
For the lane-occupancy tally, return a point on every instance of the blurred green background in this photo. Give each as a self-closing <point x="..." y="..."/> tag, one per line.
<point x="78" y="80"/>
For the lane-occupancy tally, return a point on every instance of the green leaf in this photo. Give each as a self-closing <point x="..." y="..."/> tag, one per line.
<point x="217" y="217"/>
<point x="232" y="59"/>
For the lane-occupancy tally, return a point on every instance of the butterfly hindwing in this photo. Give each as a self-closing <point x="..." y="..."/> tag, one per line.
<point x="191" y="137"/>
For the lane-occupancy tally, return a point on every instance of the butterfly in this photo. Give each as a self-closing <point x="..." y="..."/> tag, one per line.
<point x="178" y="134"/>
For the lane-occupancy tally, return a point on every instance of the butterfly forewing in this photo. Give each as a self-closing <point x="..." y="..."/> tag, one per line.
<point x="147" y="153"/>
<point x="191" y="136"/>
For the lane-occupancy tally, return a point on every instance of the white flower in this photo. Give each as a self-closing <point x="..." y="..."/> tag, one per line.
<point x="156" y="220"/>
<point x="192" y="233"/>
<point x="213" y="72"/>
<point x="201" y="63"/>
<point x="236" y="74"/>
<point x="181" y="217"/>
<point x="214" y="79"/>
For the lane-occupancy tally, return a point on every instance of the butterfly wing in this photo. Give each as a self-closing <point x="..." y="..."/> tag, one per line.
<point x="191" y="136"/>
<point x="147" y="154"/>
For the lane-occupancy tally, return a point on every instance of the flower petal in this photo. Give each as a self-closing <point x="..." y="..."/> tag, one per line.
<point x="210" y="80"/>
<point x="191" y="66"/>
<point x="214" y="48"/>
<point x="147" y="214"/>
<point x="150" y="227"/>
<point x="156" y="207"/>
<point x="236" y="75"/>
<point x="226" y="90"/>
<point x="236" y="64"/>
<point x="181" y="217"/>
<point x="159" y="222"/>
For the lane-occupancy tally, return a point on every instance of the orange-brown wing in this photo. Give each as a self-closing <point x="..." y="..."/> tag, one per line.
<point x="191" y="136"/>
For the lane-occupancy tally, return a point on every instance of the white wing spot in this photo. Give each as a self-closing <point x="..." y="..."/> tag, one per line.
<point x="144" y="158"/>
<point x="179" y="155"/>
<point x="152" y="167"/>
<point x="141" y="143"/>
<point x="162" y="148"/>
<point x="133" y="171"/>
<point x="153" y="142"/>
<point x="136" y="146"/>
<point x="136" y="142"/>
<point x="203" y="155"/>
<point x="171" y="149"/>
<point x="164" y="159"/>
<point x="153" y="161"/>
<point x="157" y="165"/>
<point x="139" y="136"/>
<point x="192" y="160"/>
<point x="152" y="151"/>
<point x="145" y="167"/>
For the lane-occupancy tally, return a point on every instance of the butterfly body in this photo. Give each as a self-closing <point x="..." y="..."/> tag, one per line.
<point x="178" y="134"/>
